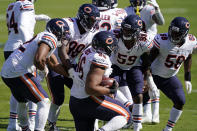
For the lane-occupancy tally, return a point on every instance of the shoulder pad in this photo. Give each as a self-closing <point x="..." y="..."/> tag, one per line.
<point x="101" y="60"/>
<point x="49" y="39"/>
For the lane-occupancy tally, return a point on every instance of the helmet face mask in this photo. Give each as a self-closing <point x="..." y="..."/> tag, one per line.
<point x="88" y="16"/>
<point x="131" y="27"/>
<point x="178" y="30"/>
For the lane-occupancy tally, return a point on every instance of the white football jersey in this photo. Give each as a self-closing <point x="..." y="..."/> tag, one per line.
<point x="88" y="57"/>
<point x="21" y="61"/>
<point x="111" y="19"/>
<point x="127" y="58"/>
<point x="146" y="15"/>
<point x="78" y="41"/>
<point x="171" y="57"/>
<point x="20" y="23"/>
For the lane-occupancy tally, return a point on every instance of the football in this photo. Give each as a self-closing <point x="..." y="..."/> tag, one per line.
<point x="107" y="81"/>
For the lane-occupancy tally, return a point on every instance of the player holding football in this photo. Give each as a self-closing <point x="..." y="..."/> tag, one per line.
<point x="21" y="20"/>
<point x="169" y="52"/>
<point x="151" y="16"/>
<point x="82" y="30"/>
<point x="18" y="71"/>
<point x="127" y="67"/>
<point x="89" y="100"/>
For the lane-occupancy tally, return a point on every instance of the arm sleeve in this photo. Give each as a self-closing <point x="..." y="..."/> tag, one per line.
<point x="26" y="22"/>
<point x="42" y="17"/>
<point x="50" y="40"/>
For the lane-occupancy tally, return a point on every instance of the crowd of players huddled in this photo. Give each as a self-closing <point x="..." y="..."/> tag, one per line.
<point x="101" y="41"/>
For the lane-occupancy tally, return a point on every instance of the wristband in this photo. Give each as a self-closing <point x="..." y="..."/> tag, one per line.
<point x="188" y="76"/>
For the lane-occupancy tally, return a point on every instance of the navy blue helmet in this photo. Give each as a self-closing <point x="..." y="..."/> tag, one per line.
<point x="178" y="29"/>
<point x="140" y="3"/>
<point x="104" y="42"/>
<point x="131" y="27"/>
<point x="88" y="15"/>
<point x="59" y="28"/>
<point x="114" y="3"/>
<point x="102" y="4"/>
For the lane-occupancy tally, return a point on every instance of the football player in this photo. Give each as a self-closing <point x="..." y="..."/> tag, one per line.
<point x="89" y="100"/>
<point x="169" y="52"/>
<point x="82" y="30"/>
<point x="151" y="16"/>
<point x="20" y="22"/>
<point x="127" y="68"/>
<point x="18" y="71"/>
<point x="110" y="18"/>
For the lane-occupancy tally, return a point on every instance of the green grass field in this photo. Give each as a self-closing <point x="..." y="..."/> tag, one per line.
<point x="68" y="8"/>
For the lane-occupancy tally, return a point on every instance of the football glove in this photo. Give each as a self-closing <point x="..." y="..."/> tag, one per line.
<point x="72" y="74"/>
<point x="152" y="86"/>
<point x="188" y="86"/>
<point x="153" y="3"/>
<point x="43" y="73"/>
<point x="114" y="87"/>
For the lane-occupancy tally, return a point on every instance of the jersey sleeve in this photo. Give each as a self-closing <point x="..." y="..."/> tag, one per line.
<point x="156" y="41"/>
<point x="50" y="40"/>
<point x="26" y="6"/>
<point x="151" y="10"/>
<point x="145" y="42"/>
<point x="101" y="60"/>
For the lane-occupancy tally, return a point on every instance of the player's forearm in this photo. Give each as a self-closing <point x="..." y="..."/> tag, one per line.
<point x="53" y="64"/>
<point x="158" y="17"/>
<point x="62" y="53"/>
<point x="187" y="68"/>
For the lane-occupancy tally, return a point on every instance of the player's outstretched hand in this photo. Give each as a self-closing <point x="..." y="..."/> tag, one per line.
<point x="114" y="87"/>
<point x="42" y="17"/>
<point x="153" y="3"/>
<point x="188" y="86"/>
<point x="154" y="93"/>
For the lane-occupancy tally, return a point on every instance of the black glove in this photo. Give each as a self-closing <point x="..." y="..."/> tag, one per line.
<point x="114" y="87"/>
